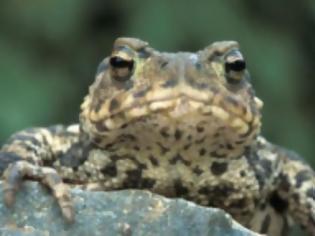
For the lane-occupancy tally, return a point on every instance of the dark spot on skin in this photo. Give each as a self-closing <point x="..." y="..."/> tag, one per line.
<point x="200" y="129"/>
<point x="296" y="197"/>
<point x="240" y="141"/>
<point x="244" y="213"/>
<point x="141" y="93"/>
<point x="171" y="83"/>
<point x="265" y="225"/>
<point x="141" y="166"/>
<point x="187" y="146"/>
<point x="137" y="148"/>
<point x="204" y="190"/>
<point x="201" y="140"/>
<point x="218" y="168"/>
<point x="109" y="146"/>
<point x="50" y="162"/>
<point x="217" y="192"/>
<point x="277" y="203"/>
<point x="301" y="177"/>
<point x="114" y="104"/>
<point x="147" y="183"/>
<point x="311" y="193"/>
<point x="124" y="126"/>
<point x="217" y="155"/>
<point x="7" y="158"/>
<point x="110" y="169"/>
<point x="222" y="190"/>
<point x="178" y="134"/>
<point x="164" y="64"/>
<point x="197" y="170"/>
<point x="229" y="146"/>
<point x="97" y="140"/>
<point x="133" y="178"/>
<point x="262" y="168"/>
<point x="153" y="160"/>
<point x="126" y="137"/>
<point x="75" y="156"/>
<point x="242" y="173"/>
<point x="179" y="188"/>
<point x="221" y="146"/>
<point x="189" y="137"/>
<point x="179" y="158"/>
<point x="238" y="204"/>
<point x="163" y="148"/>
<point x="26" y="138"/>
<point x="284" y="183"/>
<point x="28" y="148"/>
<point x="100" y="126"/>
<point x="263" y="206"/>
<point x="202" y="152"/>
<point x="164" y="132"/>
<point x="244" y="110"/>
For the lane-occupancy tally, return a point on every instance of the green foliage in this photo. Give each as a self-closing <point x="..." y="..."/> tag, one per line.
<point x="50" y="50"/>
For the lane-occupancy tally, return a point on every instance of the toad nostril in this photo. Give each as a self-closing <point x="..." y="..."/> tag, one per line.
<point x="114" y="104"/>
<point x="164" y="64"/>
<point x="171" y="83"/>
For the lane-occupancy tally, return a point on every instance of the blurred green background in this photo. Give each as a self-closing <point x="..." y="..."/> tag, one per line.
<point x="49" y="51"/>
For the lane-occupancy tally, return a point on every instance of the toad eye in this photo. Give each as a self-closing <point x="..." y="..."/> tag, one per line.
<point x="121" y="68"/>
<point x="235" y="66"/>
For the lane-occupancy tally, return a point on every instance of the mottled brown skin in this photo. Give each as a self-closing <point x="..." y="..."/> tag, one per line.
<point x="178" y="124"/>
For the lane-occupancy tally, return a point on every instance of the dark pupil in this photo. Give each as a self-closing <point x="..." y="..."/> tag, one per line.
<point x="118" y="62"/>
<point x="238" y="65"/>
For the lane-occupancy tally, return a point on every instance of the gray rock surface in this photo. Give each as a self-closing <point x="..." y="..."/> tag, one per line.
<point x="128" y="212"/>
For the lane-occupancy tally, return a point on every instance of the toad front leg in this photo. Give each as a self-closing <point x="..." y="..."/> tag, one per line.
<point x="29" y="154"/>
<point x="296" y="188"/>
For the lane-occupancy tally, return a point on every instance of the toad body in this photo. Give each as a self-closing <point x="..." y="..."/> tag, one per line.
<point x="183" y="125"/>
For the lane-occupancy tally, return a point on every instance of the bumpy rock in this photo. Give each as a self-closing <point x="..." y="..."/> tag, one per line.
<point x="128" y="212"/>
